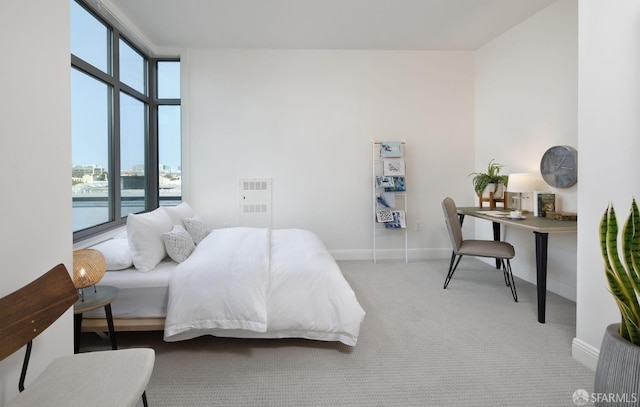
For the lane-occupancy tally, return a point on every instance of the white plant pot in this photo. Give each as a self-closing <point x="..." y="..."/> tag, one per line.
<point x="498" y="188"/>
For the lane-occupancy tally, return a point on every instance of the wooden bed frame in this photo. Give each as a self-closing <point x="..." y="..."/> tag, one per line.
<point x="123" y="324"/>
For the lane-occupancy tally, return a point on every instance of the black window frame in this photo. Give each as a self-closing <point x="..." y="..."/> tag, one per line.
<point x="150" y="99"/>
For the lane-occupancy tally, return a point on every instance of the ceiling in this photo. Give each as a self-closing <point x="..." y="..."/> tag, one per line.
<point x="325" y="24"/>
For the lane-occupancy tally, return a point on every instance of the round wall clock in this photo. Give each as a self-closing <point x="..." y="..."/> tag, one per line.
<point x="559" y="166"/>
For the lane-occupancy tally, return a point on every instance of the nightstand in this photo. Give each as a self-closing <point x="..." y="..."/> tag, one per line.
<point x="102" y="296"/>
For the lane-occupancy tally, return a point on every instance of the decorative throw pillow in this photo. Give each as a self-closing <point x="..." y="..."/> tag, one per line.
<point x="197" y="228"/>
<point x="178" y="243"/>
<point x="116" y="253"/>
<point x="144" y="232"/>
<point x="179" y="212"/>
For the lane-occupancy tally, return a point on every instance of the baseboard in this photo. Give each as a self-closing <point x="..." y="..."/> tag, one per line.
<point x="585" y="353"/>
<point x="391" y="254"/>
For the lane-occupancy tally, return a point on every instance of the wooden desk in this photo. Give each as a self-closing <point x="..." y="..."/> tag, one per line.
<point x="541" y="227"/>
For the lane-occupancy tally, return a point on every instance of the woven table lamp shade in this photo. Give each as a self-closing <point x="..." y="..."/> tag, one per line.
<point x="89" y="266"/>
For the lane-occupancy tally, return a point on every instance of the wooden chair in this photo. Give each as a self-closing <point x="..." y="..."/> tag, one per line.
<point x="107" y="378"/>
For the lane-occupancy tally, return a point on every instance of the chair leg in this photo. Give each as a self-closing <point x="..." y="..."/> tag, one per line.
<point x="504" y="272"/>
<point x="508" y="277"/>
<point x="453" y="264"/>
<point x="144" y="399"/>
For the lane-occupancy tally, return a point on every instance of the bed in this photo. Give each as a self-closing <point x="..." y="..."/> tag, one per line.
<point x="232" y="282"/>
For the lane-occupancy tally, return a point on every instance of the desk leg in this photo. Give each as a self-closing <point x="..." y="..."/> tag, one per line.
<point x="496" y="237"/>
<point x="542" y="240"/>
<point x="77" y="319"/>
<point x="112" y="331"/>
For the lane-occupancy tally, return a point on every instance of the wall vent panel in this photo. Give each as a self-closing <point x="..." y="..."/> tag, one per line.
<point x="255" y="202"/>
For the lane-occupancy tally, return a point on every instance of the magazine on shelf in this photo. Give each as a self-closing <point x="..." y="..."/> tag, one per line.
<point x="399" y="221"/>
<point x="384" y="182"/>
<point x="393" y="167"/>
<point x="384" y="215"/>
<point x="386" y="200"/>
<point x="398" y="185"/>
<point x="390" y="149"/>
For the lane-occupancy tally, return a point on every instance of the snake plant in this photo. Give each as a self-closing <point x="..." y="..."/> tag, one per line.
<point x="623" y="275"/>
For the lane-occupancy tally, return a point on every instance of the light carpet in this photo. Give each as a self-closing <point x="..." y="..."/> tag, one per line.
<point x="419" y="345"/>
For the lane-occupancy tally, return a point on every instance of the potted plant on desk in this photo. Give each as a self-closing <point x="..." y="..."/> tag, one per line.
<point x="618" y="369"/>
<point x="490" y="185"/>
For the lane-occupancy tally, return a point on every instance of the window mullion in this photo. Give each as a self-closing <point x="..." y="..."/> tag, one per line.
<point x="152" y="135"/>
<point x="115" y="132"/>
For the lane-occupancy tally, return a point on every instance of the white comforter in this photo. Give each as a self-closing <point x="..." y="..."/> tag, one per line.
<point x="262" y="283"/>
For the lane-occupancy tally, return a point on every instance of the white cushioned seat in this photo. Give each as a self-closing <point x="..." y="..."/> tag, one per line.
<point x="89" y="379"/>
<point x="486" y="248"/>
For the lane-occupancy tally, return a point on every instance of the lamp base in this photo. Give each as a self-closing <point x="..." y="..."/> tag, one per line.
<point x="81" y="292"/>
<point x="517" y="200"/>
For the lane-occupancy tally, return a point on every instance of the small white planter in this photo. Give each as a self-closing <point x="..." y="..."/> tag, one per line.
<point x="497" y="189"/>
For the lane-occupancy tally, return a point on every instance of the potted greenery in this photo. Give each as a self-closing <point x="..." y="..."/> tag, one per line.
<point x="618" y="366"/>
<point x="491" y="181"/>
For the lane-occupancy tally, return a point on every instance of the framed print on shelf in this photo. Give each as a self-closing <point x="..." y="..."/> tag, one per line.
<point x="393" y="167"/>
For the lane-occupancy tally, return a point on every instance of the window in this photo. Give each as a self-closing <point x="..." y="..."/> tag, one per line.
<point x="133" y="114"/>
<point x="169" y="152"/>
<point x="132" y="67"/>
<point x="90" y="128"/>
<point x="168" y="79"/>
<point x="126" y="139"/>
<point x="90" y="38"/>
<point x="169" y="141"/>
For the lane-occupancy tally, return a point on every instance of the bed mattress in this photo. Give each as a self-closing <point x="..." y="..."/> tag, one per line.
<point x="142" y="295"/>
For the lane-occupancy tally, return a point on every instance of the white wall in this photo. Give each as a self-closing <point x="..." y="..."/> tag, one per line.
<point x="526" y="102"/>
<point x="35" y="141"/>
<point x="609" y="126"/>
<point x="306" y="118"/>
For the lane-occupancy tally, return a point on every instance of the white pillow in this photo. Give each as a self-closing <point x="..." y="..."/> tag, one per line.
<point x="197" y="228"/>
<point x="116" y="253"/>
<point x="144" y="232"/>
<point x="178" y="243"/>
<point x="179" y="212"/>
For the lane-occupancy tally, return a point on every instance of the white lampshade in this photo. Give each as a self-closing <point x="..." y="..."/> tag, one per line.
<point x="522" y="182"/>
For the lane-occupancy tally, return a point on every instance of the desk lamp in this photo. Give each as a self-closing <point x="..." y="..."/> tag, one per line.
<point x="89" y="266"/>
<point x="520" y="183"/>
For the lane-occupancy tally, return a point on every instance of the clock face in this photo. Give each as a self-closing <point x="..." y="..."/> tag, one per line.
<point x="559" y="166"/>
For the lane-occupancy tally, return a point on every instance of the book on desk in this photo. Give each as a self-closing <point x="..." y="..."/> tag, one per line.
<point x="543" y="202"/>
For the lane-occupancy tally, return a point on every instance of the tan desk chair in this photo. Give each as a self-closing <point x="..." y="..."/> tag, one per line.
<point x="106" y="379"/>
<point x="501" y="251"/>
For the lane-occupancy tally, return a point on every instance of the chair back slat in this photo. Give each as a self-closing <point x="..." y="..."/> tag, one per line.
<point x="25" y="313"/>
<point x="453" y="222"/>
